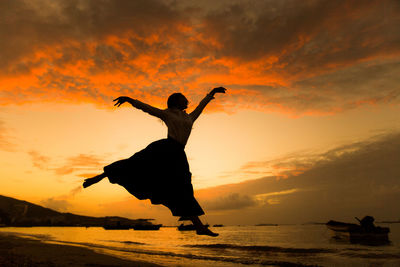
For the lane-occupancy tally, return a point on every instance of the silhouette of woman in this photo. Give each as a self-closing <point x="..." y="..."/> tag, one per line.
<point x="160" y="172"/>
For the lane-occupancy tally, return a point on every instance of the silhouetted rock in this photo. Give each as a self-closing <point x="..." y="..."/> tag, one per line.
<point x="14" y="212"/>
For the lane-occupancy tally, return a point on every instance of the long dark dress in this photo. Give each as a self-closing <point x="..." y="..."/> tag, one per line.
<point x="160" y="172"/>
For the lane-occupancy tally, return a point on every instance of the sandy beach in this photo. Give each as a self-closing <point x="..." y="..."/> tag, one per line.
<point x="18" y="251"/>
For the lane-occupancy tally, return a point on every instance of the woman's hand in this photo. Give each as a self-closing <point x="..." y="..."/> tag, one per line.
<point x="218" y="90"/>
<point x="120" y="100"/>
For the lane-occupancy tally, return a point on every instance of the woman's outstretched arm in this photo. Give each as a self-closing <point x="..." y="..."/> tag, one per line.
<point x="210" y="96"/>
<point x="159" y="113"/>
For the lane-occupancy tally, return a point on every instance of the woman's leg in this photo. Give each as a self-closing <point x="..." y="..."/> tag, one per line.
<point x="201" y="229"/>
<point x="90" y="181"/>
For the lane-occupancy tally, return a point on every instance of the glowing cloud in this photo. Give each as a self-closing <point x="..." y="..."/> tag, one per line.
<point x="294" y="57"/>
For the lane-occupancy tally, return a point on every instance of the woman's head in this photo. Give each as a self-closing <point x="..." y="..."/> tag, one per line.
<point x="177" y="100"/>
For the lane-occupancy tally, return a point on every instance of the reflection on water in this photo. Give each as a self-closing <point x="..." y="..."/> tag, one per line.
<point x="250" y="245"/>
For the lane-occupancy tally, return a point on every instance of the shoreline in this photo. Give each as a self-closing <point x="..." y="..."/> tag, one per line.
<point x="23" y="251"/>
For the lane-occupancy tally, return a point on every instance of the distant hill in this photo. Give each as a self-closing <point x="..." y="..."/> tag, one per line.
<point x="14" y="212"/>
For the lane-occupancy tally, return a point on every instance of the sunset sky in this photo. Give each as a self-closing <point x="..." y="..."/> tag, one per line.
<point x="309" y="129"/>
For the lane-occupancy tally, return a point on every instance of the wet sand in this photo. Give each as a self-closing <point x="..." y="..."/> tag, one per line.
<point x="18" y="251"/>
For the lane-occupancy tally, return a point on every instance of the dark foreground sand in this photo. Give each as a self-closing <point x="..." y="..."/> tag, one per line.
<point x="18" y="251"/>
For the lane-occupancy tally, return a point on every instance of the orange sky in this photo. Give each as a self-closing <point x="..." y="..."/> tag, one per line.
<point x="303" y="78"/>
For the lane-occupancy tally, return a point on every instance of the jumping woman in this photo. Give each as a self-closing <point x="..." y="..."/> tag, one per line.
<point x="160" y="172"/>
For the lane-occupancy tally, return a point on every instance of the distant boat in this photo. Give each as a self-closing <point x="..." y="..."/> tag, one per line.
<point x="188" y="227"/>
<point x="266" y="224"/>
<point x="218" y="225"/>
<point x="147" y="227"/>
<point x="116" y="225"/>
<point x="365" y="232"/>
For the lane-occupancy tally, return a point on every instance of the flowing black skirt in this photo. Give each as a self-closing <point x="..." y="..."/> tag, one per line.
<point x="160" y="172"/>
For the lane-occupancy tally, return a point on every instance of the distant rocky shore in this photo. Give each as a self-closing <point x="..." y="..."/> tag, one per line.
<point x="14" y="212"/>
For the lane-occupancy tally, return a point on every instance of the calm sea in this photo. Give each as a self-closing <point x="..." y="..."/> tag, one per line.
<point x="284" y="245"/>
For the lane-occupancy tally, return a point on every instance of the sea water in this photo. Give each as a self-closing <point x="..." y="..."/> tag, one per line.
<point x="283" y="245"/>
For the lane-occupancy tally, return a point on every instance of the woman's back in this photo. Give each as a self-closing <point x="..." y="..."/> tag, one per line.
<point x="179" y="124"/>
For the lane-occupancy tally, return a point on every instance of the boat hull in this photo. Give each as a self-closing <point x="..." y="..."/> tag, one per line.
<point x="147" y="227"/>
<point x="358" y="234"/>
<point x="111" y="227"/>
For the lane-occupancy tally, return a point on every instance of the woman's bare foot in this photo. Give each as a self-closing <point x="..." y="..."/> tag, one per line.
<point x="201" y="229"/>
<point x="206" y="231"/>
<point x="90" y="181"/>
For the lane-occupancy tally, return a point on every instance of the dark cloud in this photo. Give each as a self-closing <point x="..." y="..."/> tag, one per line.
<point x="297" y="163"/>
<point x="282" y="167"/>
<point x="306" y="35"/>
<point x="298" y="57"/>
<point x="352" y="180"/>
<point x="231" y="201"/>
<point x="351" y="87"/>
<point x="29" y="26"/>
<point x="323" y="50"/>
<point x="331" y="55"/>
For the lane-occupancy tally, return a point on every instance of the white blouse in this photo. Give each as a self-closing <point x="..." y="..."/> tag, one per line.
<point x="179" y="123"/>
